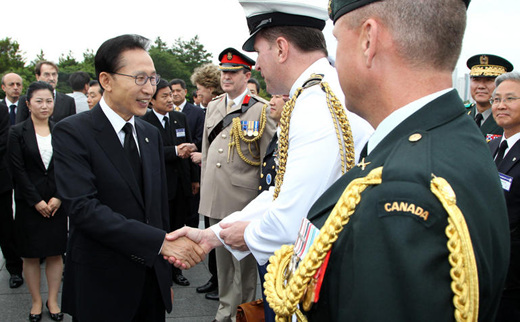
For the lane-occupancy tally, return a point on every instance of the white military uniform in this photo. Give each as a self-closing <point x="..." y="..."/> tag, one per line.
<point x="313" y="165"/>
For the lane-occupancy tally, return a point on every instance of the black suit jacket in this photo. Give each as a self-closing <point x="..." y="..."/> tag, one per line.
<point x="32" y="181"/>
<point x="5" y="177"/>
<point x="392" y="265"/>
<point x="195" y="116"/>
<point x="180" y="173"/>
<point x="510" y="166"/>
<point x="115" y="231"/>
<point x="64" y="106"/>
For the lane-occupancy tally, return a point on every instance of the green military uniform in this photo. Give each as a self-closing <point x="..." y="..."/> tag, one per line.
<point x="391" y="263"/>
<point x="489" y="126"/>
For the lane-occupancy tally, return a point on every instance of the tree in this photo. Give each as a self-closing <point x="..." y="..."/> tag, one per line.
<point x="10" y="56"/>
<point x="191" y="53"/>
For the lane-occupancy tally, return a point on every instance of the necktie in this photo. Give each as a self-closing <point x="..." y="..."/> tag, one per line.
<point x="12" y="114"/>
<point x="177" y="109"/>
<point x="168" y="129"/>
<point x="478" y="119"/>
<point x="364" y="152"/>
<point x="230" y="105"/>
<point x="132" y="153"/>
<point x="500" y="154"/>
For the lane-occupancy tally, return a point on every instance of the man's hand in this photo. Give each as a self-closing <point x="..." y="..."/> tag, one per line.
<point x="195" y="186"/>
<point x="196" y="157"/>
<point x="189" y="146"/>
<point x="206" y="239"/>
<point x="186" y="252"/>
<point x="54" y="204"/>
<point x="233" y="234"/>
<point x="183" y="152"/>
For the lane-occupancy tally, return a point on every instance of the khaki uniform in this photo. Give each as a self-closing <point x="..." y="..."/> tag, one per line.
<point x="228" y="184"/>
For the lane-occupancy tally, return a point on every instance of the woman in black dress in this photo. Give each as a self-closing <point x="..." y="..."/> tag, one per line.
<point x="41" y="226"/>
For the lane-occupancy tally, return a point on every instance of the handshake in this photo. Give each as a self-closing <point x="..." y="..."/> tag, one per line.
<point x="186" y="247"/>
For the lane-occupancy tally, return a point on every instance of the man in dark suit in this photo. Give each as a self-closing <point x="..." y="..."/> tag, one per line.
<point x="484" y="69"/>
<point x="194" y="114"/>
<point x="64" y="105"/>
<point x="410" y="237"/>
<point x="111" y="175"/>
<point x="181" y="175"/>
<point x="506" y="152"/>
<point x="12" y="85"/>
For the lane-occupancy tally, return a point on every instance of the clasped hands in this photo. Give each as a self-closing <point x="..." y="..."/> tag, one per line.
<point x="48" y="209"/>
<point x="202" y="242"/>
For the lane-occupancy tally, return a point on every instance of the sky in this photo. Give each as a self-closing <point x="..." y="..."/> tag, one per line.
<point x="59" y="26"/>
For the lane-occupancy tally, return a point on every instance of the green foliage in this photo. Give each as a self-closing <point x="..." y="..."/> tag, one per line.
<point x="177" y="61"/>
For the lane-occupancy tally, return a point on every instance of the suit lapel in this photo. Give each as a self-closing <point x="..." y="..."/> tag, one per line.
<point x="510" y="159"/>
<point x="109" y="142"/>
<point x="29" y="136"/>
<point x="146" y="152"/>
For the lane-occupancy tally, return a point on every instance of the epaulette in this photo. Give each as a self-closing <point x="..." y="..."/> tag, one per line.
<point x="259" y="99"/>
<point x="469" y="105"/>
<point x="218" y="97"/>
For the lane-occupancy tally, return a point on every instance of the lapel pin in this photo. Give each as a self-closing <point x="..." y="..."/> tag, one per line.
<point x="514" y="159"/>
<point x="146" y="139"/>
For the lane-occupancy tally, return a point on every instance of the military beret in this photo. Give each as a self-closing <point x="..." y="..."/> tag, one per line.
<point x="262" y="14"/>
<point x="485" y="65"/>
<point x="233" y="60"/>
<point x="338" y="8"/>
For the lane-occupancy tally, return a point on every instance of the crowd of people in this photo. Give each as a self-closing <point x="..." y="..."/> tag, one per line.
<point x="397" y="205"/>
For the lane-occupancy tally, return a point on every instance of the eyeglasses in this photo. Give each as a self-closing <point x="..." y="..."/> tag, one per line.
<point x="141" y="79"/>
<point x="506" y="100"/>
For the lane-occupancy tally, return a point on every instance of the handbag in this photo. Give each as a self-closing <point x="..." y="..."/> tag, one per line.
<point x="251" y="311"/>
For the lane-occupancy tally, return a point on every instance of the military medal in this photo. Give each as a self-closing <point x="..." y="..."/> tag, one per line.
<point x="244" y="127"/>
<point x="250" y="128"/>
<point x="255" y="133"/>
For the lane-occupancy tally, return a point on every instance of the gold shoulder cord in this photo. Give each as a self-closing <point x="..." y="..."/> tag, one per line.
<point x="236" y="135"/>
<point x="345" y="140"/>
<point x="284" y="291"/>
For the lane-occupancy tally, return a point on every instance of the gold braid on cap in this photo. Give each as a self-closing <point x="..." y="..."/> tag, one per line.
<point x="236" y="136"/>
<point x="339" y="116"/>
<point x="285" y="290"/>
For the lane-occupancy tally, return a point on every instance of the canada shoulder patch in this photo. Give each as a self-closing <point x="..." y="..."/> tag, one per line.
<point x="401" y="207"/>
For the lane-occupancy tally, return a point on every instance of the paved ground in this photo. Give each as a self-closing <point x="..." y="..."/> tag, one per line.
<point x="188" y="305"/>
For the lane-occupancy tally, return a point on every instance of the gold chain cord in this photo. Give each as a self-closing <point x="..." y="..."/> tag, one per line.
<point x="345" y="140"/>
<point x="284" y="292"/>
<point x="236" y="135"/>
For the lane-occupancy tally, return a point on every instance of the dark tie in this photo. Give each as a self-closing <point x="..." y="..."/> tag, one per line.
<point x="168" y="129"/>
<point x="12" y="114"/>
<point x="478" y="119"/>
<point x="133" y="154"/>
<point x="364" y="152"/>
<point x="500" y="154"/>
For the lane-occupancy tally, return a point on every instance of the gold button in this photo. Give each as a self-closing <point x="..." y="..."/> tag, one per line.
<point x="218" y="165"/>
<point x="260" y="188"/>
<point x="415" y="137"/>
<point x="265" y="163"/>
<point x="273" y="167"/>
<point x="220" y="150"/>
<point x="224" y="136"/>
<point x="261" y="175"/>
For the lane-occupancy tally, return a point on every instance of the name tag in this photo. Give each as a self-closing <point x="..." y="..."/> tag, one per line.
<point x="506" y="181"/>
<point x="180" y="133"/>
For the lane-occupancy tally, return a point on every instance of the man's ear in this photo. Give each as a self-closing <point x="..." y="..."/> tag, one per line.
<point x="282" y="47"/>
<point x="105" y="79"/>
<point x="369" y="38"/>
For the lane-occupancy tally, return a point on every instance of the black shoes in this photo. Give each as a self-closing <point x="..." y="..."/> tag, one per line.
<point x="210" y="286"/>
<point x="212" y="296"/>
<point x="54" y="316"/>
<point x="35" y="317"/>
<point x="15" y="281"/>
<point x="180" y="279"/>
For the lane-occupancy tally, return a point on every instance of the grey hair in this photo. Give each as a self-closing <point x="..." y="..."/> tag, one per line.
<point x="512" y="76"/>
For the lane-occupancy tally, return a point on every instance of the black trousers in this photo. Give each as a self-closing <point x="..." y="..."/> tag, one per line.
<point x="212" y="259"/>
<point x="13" y="262"/>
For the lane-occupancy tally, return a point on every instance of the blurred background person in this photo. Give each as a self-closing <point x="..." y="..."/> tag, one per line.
<point x="41" y="226"/>
<point x="196" y="98"/>
<point x="254" y="86"/>
<point x="79" y="83"/>
<point x="94" y="93"/>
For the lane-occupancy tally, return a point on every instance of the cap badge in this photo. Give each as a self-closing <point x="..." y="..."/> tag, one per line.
<point x="229" y="55"/>
<point x="484" y="60"/>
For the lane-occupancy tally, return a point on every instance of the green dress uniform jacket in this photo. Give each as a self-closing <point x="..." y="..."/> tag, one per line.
<point x="489" y="126"/>
<point x="391" y="265"/>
